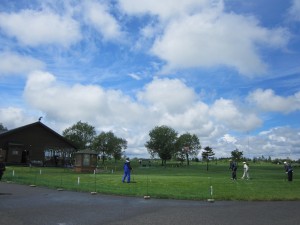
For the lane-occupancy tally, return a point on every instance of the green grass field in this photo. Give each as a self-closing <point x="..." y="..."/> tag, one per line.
<point x="268" y="181"/>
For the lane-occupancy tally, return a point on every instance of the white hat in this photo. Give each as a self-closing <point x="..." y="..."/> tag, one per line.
<point x="244" y="162"/>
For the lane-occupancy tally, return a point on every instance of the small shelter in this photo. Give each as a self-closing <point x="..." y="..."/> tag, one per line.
<point x="85" y="161"/>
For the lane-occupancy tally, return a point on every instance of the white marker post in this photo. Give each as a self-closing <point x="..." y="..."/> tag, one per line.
<point x="211" y="199"/>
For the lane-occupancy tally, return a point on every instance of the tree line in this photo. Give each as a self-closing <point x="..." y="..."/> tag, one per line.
<point x="164" y="142"/>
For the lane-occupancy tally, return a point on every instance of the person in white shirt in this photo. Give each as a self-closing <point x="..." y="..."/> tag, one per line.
<point x="246" y="171"/>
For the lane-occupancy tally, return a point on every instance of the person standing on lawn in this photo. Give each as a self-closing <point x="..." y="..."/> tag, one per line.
<point x="233" y="167"/>
<point x="127" y="170"/>
<point x="246" y="171"/>
<point x="289" y="171"/>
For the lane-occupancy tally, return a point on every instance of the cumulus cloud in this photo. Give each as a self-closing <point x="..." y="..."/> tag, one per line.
<point x="268" y="101"/>
<point x="12" y="63"/>
<point x="104" y="109"/>
<point x="34" y="28"/>
<point x="227" y="138"/>
<point x="226" y="112"/>
<point x="207" y="40"/>
<point x="169" y="95"/>
<point x="194" y="119"/>
<point x="76" y="102"/>
<point x="98" y="16"/>
<point x="203" y="35"/>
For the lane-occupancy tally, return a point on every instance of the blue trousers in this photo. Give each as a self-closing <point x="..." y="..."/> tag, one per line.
<point x="126" y="174"/>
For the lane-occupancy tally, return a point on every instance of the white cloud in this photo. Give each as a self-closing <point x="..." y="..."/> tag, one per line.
<point x="78" y="102"/>
<point x="194" y="119"/>
<point x="167" y="9"/>
<point x="34" y="28"/>
<point x="267" y="100"/>
<point x="168" y="95"/>
<point x="294" y="11"/>
<point x="134" y="76"/>
<point x="12" y="117"/>
<point x="280" y="142"/>
<point x="97" y="15"/>
<point x="208" y="39"/>
<point x="225" y="112"/>
<point x="227" y="138"/>
<point x="12" y="63"/>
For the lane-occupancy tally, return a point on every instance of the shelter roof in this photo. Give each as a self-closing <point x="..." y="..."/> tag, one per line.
<point x="36" y="124"/>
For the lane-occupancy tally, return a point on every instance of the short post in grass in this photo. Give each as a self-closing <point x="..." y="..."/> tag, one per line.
<point x="147" y="196"/>
<point x="95" y="184"/>
<point x="211" y="199"/>
<point x="35" y="177"/>
<point x="60" y="187"/>
<point x="12" y="177"/>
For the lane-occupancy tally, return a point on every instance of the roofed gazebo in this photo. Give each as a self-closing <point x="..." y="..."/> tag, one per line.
<point x="85" y="161"/>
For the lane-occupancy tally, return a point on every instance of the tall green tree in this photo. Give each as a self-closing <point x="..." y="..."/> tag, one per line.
<point x="207" y="154"/>
<point x="236" y="155"/>
<point x="81" y="134"/>
<point x="107" y="144"/>
<point x="162" y="142"/>
<point x="187" y="145"/>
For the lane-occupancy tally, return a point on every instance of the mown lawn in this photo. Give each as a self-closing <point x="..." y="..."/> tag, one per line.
<point x="194" y="182"/>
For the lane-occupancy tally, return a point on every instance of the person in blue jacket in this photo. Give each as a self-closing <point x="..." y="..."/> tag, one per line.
<point x="127" y="170"/>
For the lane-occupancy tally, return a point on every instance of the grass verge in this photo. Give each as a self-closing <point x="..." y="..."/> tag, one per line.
<point x="268" y="181"/>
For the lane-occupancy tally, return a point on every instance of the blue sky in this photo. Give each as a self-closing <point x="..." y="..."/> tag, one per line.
<point x="225" y="70"/>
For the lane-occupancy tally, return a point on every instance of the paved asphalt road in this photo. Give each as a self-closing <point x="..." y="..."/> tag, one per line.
<point x="24" y="205"/>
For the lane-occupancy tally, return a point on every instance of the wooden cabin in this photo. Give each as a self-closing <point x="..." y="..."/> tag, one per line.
<point x="35" y="144"/>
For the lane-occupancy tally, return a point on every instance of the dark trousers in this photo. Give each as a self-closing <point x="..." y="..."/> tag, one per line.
<point x="234" y="175"/>
<point x="290" y="176"/>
